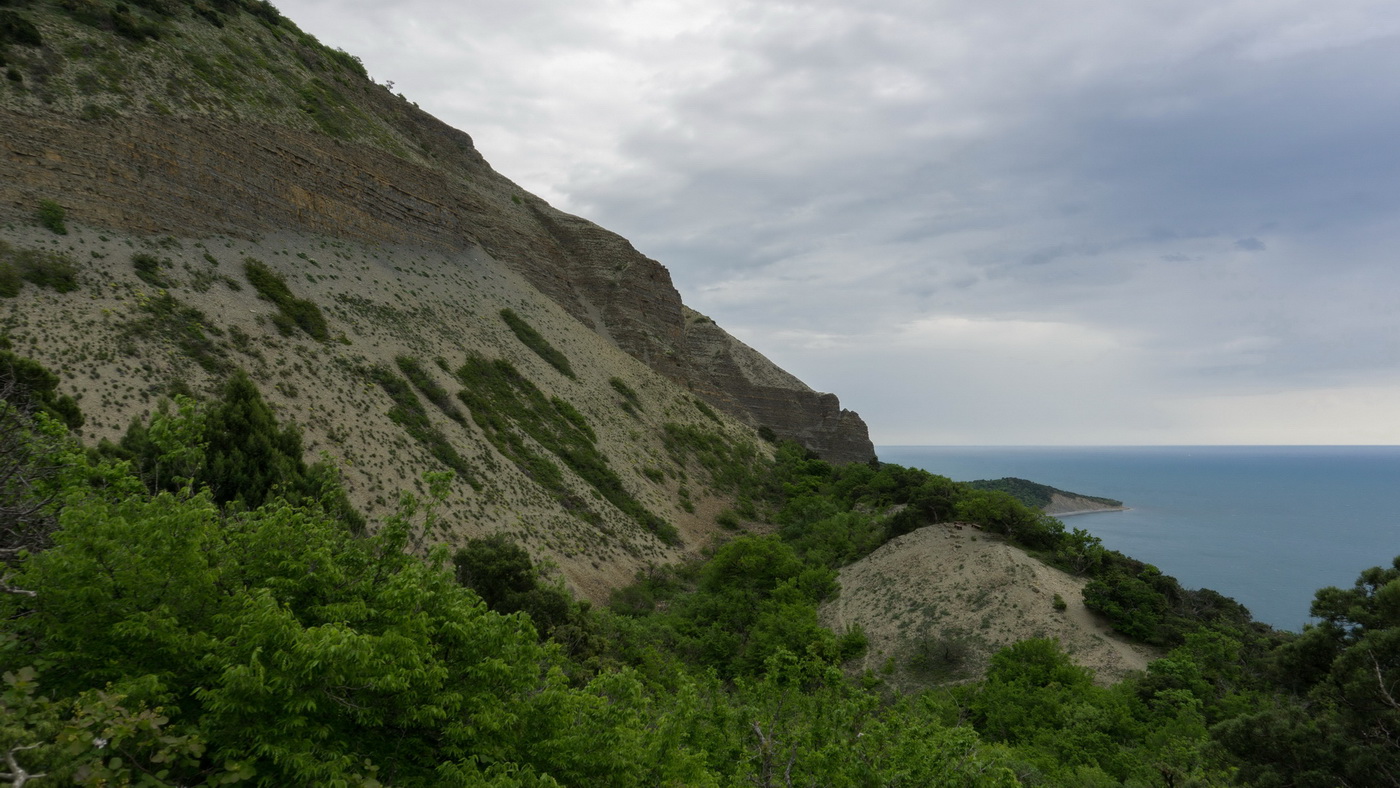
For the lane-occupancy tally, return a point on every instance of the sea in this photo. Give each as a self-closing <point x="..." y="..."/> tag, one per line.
<point x="1266" y="525"/>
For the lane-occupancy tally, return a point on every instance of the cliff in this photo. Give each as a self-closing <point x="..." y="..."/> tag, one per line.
<point x="740" y="381"/>
<point x="250" y="127"/>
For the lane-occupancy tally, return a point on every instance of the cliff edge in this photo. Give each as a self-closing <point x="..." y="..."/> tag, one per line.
<point x="241" y="124"/>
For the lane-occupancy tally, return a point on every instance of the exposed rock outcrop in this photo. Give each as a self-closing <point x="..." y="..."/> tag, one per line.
<point x="193" y="175"/>
<point x="742" y="382"/>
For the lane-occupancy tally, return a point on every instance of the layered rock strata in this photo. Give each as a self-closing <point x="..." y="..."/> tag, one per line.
<point x="203" y="175"/>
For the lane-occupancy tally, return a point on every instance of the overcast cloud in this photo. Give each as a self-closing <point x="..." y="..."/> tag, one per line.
<point x="1062" y="222"/>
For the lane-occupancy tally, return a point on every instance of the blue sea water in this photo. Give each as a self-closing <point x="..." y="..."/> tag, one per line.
<point x="1267" y="525"/>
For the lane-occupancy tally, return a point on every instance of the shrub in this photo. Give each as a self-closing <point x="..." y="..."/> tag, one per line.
<point x="148" y="270"/>
<point x="293" y="312"/>
<point x="728" y="520"/>
<point x="10" y="280"/>
<point x="628" y="394"/>
<point x="533" y="340"/>
<point x="15" y="29"/>
<point x="51" y="215"/>
<point x="54" y="270"/>
<point x="1060" y="603"/>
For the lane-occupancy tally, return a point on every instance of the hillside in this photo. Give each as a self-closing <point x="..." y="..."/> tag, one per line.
<point x="1051" y="500"/>
<point x="937" y="602"/>
<point x="191" y="139"/>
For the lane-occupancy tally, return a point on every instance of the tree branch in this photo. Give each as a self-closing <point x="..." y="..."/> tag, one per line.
<point x="17" y="775"/>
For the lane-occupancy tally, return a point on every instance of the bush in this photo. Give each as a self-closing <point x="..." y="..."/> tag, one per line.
<point x="148" y="270"/>
<point x="533" y="340"/>
<point x="10" y="280"/>
<point x="51" y="215"/>
<point x="294" y="312"/>
<point x="53" y="270"/>
<point x="15" y="29"/>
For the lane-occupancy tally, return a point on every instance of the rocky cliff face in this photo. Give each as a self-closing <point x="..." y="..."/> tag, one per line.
<point x="395" y="176"/>
<point x="740" y="381"/>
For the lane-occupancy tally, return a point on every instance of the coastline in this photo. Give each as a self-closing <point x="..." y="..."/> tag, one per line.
<point x="1091" y="511"/>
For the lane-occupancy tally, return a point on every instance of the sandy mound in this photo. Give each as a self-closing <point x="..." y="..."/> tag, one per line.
<point x="936" y="603"/>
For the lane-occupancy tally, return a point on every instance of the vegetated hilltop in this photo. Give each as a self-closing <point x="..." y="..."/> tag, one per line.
<point x="223" y="191"/>
<point x="1051" y="500"/>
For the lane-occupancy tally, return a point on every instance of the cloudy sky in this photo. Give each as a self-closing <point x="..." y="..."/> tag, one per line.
<point x="977" y="221"/>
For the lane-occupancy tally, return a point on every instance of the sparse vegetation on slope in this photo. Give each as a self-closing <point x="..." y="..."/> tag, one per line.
<point x="292" y="313"/>
<point x="516" y="417"/>
<point x="537" y="343"/>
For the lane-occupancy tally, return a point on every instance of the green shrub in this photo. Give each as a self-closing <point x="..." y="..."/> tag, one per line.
<point x="708" y="411"/>
<point x="408" y="413"/>
<point x="295" y="313"/>
<point x="10" y="280"/>
<point x="54" y="270"/>
<point x="940" y="657"/>
<point x="149" y="270"/>
<point x="728" y="520"/>
<point x="1060" y="604"/>
<point x="435" y="393"/>
<point x="628" y="394"/>
<point x="509" y="409"/>
<point x="533" y="340"/>
<point x="52" y="215"/>
<point x="169" y="319"/>
<point x="15" y="29"/>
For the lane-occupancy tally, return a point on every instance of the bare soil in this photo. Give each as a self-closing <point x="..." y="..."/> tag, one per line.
<point x="960" y="594"/>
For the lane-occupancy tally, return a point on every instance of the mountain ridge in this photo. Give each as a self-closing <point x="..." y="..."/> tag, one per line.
<point x="356" y="162"/>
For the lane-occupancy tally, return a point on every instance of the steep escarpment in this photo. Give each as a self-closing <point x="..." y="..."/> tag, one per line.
<point x="250" y="126"/>
<point x="743" y="383"/>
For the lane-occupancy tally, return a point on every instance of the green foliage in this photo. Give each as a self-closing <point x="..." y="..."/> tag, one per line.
<point x="51" y="215"/>
<point x="150" y="269"/>
<point x="408" y="413"/>
<point x="728" y="520"/>
<point x="16" y="29"/>
<point x="1036" y="496"/>
<point x="1336" y="727"/>
<point x="941" y="657"/>
<point x="510" y="409"/>
<point x="732" y="465"/>
<point x="11" y="282"/>
<point x="293" y="313"/>
<point x="294" y="652"/>
<point x="30" y="387"/>
<point x="1002" y="513"/>
<point x="328" y="108"/>
<point x="502" y="572"/>
<point x="707" y="411"/>
<point x="234" y="448"/>
<point x="424" y="382"/>
<point x="532" y="339"/>
<point x="43" y="268"/>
